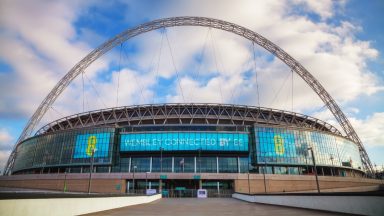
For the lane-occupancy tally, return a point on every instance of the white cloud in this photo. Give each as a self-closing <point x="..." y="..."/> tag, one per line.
<point x="329" y="51"/>
<point x="370" y="129"/>
<point x="39" y="43"/>
<point x="324" y="8"/>
<point x="43" y="48"/>
<point x="6" y="141"/>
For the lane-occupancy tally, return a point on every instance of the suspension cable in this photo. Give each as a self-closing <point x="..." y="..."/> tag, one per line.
<point x="118" y="77"/>
<point x="174" y="65"/>
<point x="217" y="68"/>
<point x="292" y="91"/>
<point x="321" y="108"/>
<point x="136" y="79"/>
<point x="254" y="68"/>
<point x="197" y="74"/>
<point x="82" y="80"/>
<point x="60" y="114"/>
<point x="94" y="88"/>
<point x="158" y="61"/>
<point x="278" y="92"/>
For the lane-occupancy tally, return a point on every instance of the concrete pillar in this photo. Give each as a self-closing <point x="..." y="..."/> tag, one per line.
<point x="129" y="166"/>
<point x="217" y="164"/>
<point x="200" y="184"/>
<point x="238" y="164"/>
<point x="160" y="185"/>
<point x="150" y="165"/>
<point x="173" y="164"/>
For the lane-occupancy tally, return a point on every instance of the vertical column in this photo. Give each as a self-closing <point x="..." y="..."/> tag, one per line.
<point x="150" y="165"/>
<point x="160" y="185"/>
<point x="195" y="165"/>
<point x="238" y="164"/>
<point x="173" y="164"/>
<point x="129" y="165"/>
<point x="217" y="164"/>
<point x="200" y="184"/>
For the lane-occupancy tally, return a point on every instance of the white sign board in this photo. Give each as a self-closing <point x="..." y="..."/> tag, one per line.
<point x="202" y="193"/>
<point x="150" y="191"/>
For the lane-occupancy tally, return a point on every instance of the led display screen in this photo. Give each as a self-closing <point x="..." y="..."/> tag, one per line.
<point x="184" y="141"/>
<point x="86" y="142"/>
<point x="277" y="144"/>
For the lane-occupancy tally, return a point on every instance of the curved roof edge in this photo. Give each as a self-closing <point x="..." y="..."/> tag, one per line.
<point x="189" y="113"/>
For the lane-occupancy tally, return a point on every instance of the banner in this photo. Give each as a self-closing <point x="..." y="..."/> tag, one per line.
<point x="184" y="141"/>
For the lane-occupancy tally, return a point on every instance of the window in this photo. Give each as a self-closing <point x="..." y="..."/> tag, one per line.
<point x="142" y="164"/>
<point x="244" y="164"/>
<point x="207" y="164"/>
<point x="162" y="166"/>
<point x="184" y="164"/>
<point x="228" y="165"/>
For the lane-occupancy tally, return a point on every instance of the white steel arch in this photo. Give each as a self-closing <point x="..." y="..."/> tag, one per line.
<point x="193" y="21"/>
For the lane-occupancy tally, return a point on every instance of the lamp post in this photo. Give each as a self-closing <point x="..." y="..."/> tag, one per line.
<point x="146" y="180"/>
<point x="65" y="181"/>
<point x="332" y="164"/>
<point x="249" y="185"/>
<point x="264" y="170"/>
<point x="91" y="170"/>
<point x="314" y="165"/>
<point x="133" y="179"/>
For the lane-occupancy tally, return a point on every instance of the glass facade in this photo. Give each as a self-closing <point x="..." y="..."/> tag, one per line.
<point x="252" y="149"/>
<point x="65" y="149"/>
<point x="288" y="146"/>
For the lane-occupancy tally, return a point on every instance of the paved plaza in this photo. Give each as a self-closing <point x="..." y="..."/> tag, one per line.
<point x="209" y="207"/>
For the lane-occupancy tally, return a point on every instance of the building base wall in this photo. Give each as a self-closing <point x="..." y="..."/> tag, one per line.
<point x="72" y="183"/>
<point x="286" y="183"/>
<point x="243" y="183"/>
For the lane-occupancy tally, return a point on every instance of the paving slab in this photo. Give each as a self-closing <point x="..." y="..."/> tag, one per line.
<point x="208" y="207"/>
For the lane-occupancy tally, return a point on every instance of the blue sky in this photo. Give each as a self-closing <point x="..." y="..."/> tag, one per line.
<point x="339" y="42"/>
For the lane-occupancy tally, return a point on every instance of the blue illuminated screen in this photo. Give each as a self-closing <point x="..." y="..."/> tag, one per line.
<point x="86" y="142"/>
<point x="178" y="141"/>
<point x="277" y="144"/>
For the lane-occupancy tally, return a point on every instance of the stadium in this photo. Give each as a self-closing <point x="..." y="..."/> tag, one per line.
<point x="179" y="148"/>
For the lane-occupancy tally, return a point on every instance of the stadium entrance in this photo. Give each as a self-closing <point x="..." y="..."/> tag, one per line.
<point x="180" y="188"/>
<point x="176" y="188"/>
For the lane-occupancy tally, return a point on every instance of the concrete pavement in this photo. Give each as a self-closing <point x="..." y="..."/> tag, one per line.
<point x="208" y="207"/>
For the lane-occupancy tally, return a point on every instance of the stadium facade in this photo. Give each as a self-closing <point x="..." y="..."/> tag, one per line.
<point x="189" y="138"/>
<point x="189" y="146"/>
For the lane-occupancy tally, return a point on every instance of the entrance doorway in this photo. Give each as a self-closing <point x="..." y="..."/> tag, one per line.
<point x="180" y="188"/>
